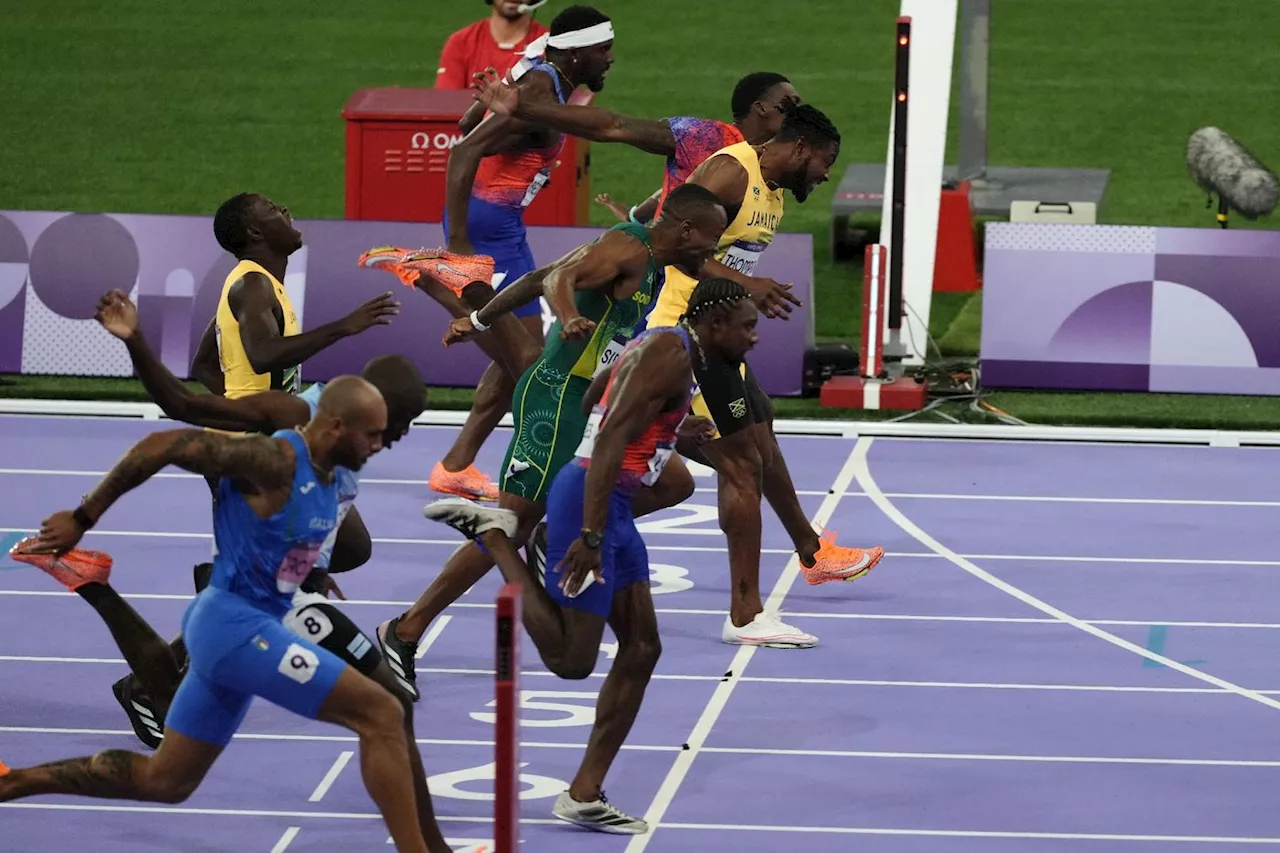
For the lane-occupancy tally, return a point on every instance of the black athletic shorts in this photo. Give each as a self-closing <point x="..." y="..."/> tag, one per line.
<point x="729" y="395"/>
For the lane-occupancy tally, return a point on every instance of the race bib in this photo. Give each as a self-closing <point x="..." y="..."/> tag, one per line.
<point x="610" y="354"/>
<point x="661" y="454"/>
<point x="588" y="442"/>
<point x="539" y="181"/>
<point x="295" y="567"/>
<point x="743" y="256"/>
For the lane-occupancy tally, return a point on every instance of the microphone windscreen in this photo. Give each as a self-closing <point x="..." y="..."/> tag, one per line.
<point x="1219" y="164"/>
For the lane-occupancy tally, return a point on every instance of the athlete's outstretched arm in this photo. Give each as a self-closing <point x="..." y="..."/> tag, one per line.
<point x="495" y="134"/>
<point x="267" y="411"/>
<point x="590" y="123"/>
<point x="592" y="267"/>
<point x="265" y="345"/>
<point x="264" y="462"/>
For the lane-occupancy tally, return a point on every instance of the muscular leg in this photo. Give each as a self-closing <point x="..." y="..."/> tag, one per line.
<point x="493" y="393"/>
<point x="150" y="658"/>
<point x="463" y="570"/>
<point x="360" y="704"/>
<point x="639" y="647"/>
<point x="157" y="673"/>
<point x="739" y="477"/>
<point x="170" y="775"/>
<point x="674" y="486"/>
<point x="422" y="794"/>
<point x="781" y="494"/>
<point x="568" y="640"/>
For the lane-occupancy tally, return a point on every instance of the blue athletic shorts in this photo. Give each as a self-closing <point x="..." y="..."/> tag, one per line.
<point x="499" y="231"/>
<point x="237" y="652"/>
<point x="625" y="560"/>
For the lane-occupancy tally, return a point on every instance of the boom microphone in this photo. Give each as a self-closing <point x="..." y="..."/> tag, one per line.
<point x="1219" y="164"/>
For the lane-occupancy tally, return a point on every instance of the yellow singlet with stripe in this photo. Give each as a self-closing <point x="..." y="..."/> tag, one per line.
<point x="742" y="243"/>
<point x="238" y="375"/>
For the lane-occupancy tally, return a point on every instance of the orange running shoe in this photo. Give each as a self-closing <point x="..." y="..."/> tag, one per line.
<point x="73" y="569"/>
<point x="467" y="483"/>
<point x="4" y="768"/>
<point x="388" y="258"/>
<point x="833" y="563"/>
<point x="450" y="269"/>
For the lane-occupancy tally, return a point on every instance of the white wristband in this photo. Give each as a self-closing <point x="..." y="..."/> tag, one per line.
<point x="475" y="322"/>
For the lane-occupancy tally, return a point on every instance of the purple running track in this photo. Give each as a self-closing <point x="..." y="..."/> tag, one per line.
<point x="938" y="713"/>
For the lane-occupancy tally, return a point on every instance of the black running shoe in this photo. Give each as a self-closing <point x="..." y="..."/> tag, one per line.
<point x="535" y="552"/>
<point x="400" y="655"/>
<point x="201" y="574"/>
<point x="147" y="723"/>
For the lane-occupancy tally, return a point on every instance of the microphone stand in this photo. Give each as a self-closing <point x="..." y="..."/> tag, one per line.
<point x="1223" y="209"/>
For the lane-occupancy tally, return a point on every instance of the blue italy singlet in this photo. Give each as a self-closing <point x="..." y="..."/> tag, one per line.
<point x="263" y="560"/>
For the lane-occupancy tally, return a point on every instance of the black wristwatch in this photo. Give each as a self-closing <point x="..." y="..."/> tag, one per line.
<point x="591" y="539"/>
<point x="81" y="518"/>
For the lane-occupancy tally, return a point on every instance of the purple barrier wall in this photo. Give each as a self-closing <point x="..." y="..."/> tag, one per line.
<point x="54" y="266"/>
<point x="1125" y="308"/>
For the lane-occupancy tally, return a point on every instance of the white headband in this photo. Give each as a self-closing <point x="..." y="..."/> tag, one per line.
<point x="588" y="37"/>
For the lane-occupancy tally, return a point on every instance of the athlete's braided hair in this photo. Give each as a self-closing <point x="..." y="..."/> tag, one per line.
<point x="712" y="295"/>
<point x="805" y="121"/>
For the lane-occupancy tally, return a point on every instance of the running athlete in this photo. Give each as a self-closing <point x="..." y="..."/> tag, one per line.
<point x="277" y="503"/>
<point x="494" y="173"/>
<point x="597" y="564"/>
<point x="157" y="668"/>
<point x="254" y="342"/>
<point x="757" y="105"/>
<point x="600" y="293"/>
<point x="401" y="386"/>
<point x="749" y="180"/>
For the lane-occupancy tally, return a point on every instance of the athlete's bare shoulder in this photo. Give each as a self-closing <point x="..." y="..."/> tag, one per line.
<point x="724" y="176"/>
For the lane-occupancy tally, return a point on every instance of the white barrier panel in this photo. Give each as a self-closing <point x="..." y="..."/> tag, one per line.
<point x="933" y="34"/>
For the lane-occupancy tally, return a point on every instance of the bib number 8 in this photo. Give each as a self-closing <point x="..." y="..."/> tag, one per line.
<point x="311" y="623"/>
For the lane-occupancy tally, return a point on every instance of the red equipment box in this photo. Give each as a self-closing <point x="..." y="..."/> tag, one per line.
<point x="398" y="142"/>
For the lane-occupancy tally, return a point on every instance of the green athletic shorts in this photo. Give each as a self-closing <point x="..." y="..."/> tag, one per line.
<point x="549" y="421"/>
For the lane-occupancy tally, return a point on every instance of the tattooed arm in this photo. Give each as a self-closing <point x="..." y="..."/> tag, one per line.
<point x="264" y="462"/>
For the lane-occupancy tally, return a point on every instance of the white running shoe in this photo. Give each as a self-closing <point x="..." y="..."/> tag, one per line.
<point x="599" y="815"/>
<point x="767" y="630"/>
<point x="470" y="518"/>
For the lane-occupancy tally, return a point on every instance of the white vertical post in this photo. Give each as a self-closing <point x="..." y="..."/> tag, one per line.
<point x="933" y="32"/>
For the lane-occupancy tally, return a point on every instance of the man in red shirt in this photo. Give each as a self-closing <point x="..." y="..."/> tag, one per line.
<point x="497" y="41"/>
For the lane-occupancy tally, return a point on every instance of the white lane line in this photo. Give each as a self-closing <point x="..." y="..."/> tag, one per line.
<point x="326" y="783"/>
<point x="709" y="827"/>
<point x="695" y="611"/>
<point x="729" y="750"/>
<point x="1019" y="558"/>
<point x="433" y="634"/>
<point x="702" y="728"/>
<point x="957" y="833"/>
<point x="838" y="682"/>
<point x="941" y="496"/>
<point x="286" y="839"/>
<point x="867" y="482"/>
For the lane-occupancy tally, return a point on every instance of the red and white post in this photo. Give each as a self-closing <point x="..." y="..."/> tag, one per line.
<point x="506" y="815"/>
<point x="875" y="284"/>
